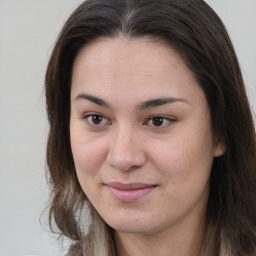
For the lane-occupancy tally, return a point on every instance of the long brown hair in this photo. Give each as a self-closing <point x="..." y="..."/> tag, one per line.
<point x="194" y="30"/>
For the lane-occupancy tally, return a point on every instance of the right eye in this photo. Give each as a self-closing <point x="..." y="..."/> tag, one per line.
<point x="94" y="119"/>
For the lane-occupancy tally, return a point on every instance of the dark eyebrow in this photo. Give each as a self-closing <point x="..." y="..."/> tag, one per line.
<point x="142" y="106"/>
<point x="158" y="102"/>
<point x="93" y="99"/>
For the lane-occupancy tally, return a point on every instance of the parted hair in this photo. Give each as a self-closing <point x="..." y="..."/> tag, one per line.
<point x="196" y="32"/>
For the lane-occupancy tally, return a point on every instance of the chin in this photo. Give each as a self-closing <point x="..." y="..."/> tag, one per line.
<point x="132" y="229"/>
<point x="132" y="225"/>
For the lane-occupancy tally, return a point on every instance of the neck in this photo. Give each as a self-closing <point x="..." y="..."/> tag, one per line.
<point x="168" y="242"/>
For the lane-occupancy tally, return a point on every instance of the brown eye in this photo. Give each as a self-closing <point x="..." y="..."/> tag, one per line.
<point x="95" y="119"/>
<point x="157" y="121"/>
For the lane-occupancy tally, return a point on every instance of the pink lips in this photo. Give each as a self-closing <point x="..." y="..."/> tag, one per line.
<point x="129" y="192"/>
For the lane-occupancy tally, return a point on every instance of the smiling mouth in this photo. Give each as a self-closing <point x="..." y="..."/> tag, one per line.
<point x="129" y="192"/>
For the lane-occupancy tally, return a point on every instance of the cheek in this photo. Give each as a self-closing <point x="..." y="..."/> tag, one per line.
<point x="88" y="153"/>
<point x="186" y="158"/>
<point x="86" y="157"/>
<point x="185" y="168"/>
<point x="87" y="161"/>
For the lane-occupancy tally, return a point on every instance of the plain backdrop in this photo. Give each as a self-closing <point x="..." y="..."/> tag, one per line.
<point x="28" y="29"/>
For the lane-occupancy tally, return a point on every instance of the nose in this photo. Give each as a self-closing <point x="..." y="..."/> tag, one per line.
<point x="125" y="150"/>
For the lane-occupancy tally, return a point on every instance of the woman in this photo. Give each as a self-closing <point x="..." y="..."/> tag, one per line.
<point x="151" y="132"/>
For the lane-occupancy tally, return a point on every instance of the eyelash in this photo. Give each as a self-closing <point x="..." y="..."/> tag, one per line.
<point x="163" y="119"/>
<point x="93" y="115"/>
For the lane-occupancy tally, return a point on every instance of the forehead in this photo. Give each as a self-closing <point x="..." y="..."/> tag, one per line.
<point x="140" y="67"/>
<point x="122" y="49"/>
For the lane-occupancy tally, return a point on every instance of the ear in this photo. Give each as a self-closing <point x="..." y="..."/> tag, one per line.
<point x="219" y="148"/>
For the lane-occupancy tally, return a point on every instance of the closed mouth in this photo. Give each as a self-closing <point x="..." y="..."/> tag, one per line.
<point x="129" y="192"/>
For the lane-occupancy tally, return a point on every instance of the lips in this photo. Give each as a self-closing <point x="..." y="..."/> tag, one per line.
<point x="129" y="192"/>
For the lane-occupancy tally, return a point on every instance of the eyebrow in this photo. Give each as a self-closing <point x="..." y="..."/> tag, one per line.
<point x="159" y="102"/>
<point x="94" y="99"/>
<point x="142" y="106"/>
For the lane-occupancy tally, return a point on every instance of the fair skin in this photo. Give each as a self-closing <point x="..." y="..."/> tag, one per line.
<point x="142" y="144"/>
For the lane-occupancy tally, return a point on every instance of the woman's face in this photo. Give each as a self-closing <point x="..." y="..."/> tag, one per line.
<point x="140" y="135"/>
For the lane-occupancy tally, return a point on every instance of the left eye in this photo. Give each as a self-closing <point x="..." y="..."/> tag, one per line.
<point x="96" y="119"/>
<point x="159" y="121"/>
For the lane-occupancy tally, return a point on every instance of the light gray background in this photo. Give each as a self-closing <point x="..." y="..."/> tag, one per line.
<point x="28" y="29"/>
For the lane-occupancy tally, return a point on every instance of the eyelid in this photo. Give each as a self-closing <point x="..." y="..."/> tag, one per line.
<point x="90" y="114"/>
<point x="166" y="118"/>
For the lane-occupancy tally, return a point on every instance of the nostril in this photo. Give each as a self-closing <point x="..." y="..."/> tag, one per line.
<point x="124" y="150"/>
<point x="122" y="163"/>
<point x="125" y="161"/>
